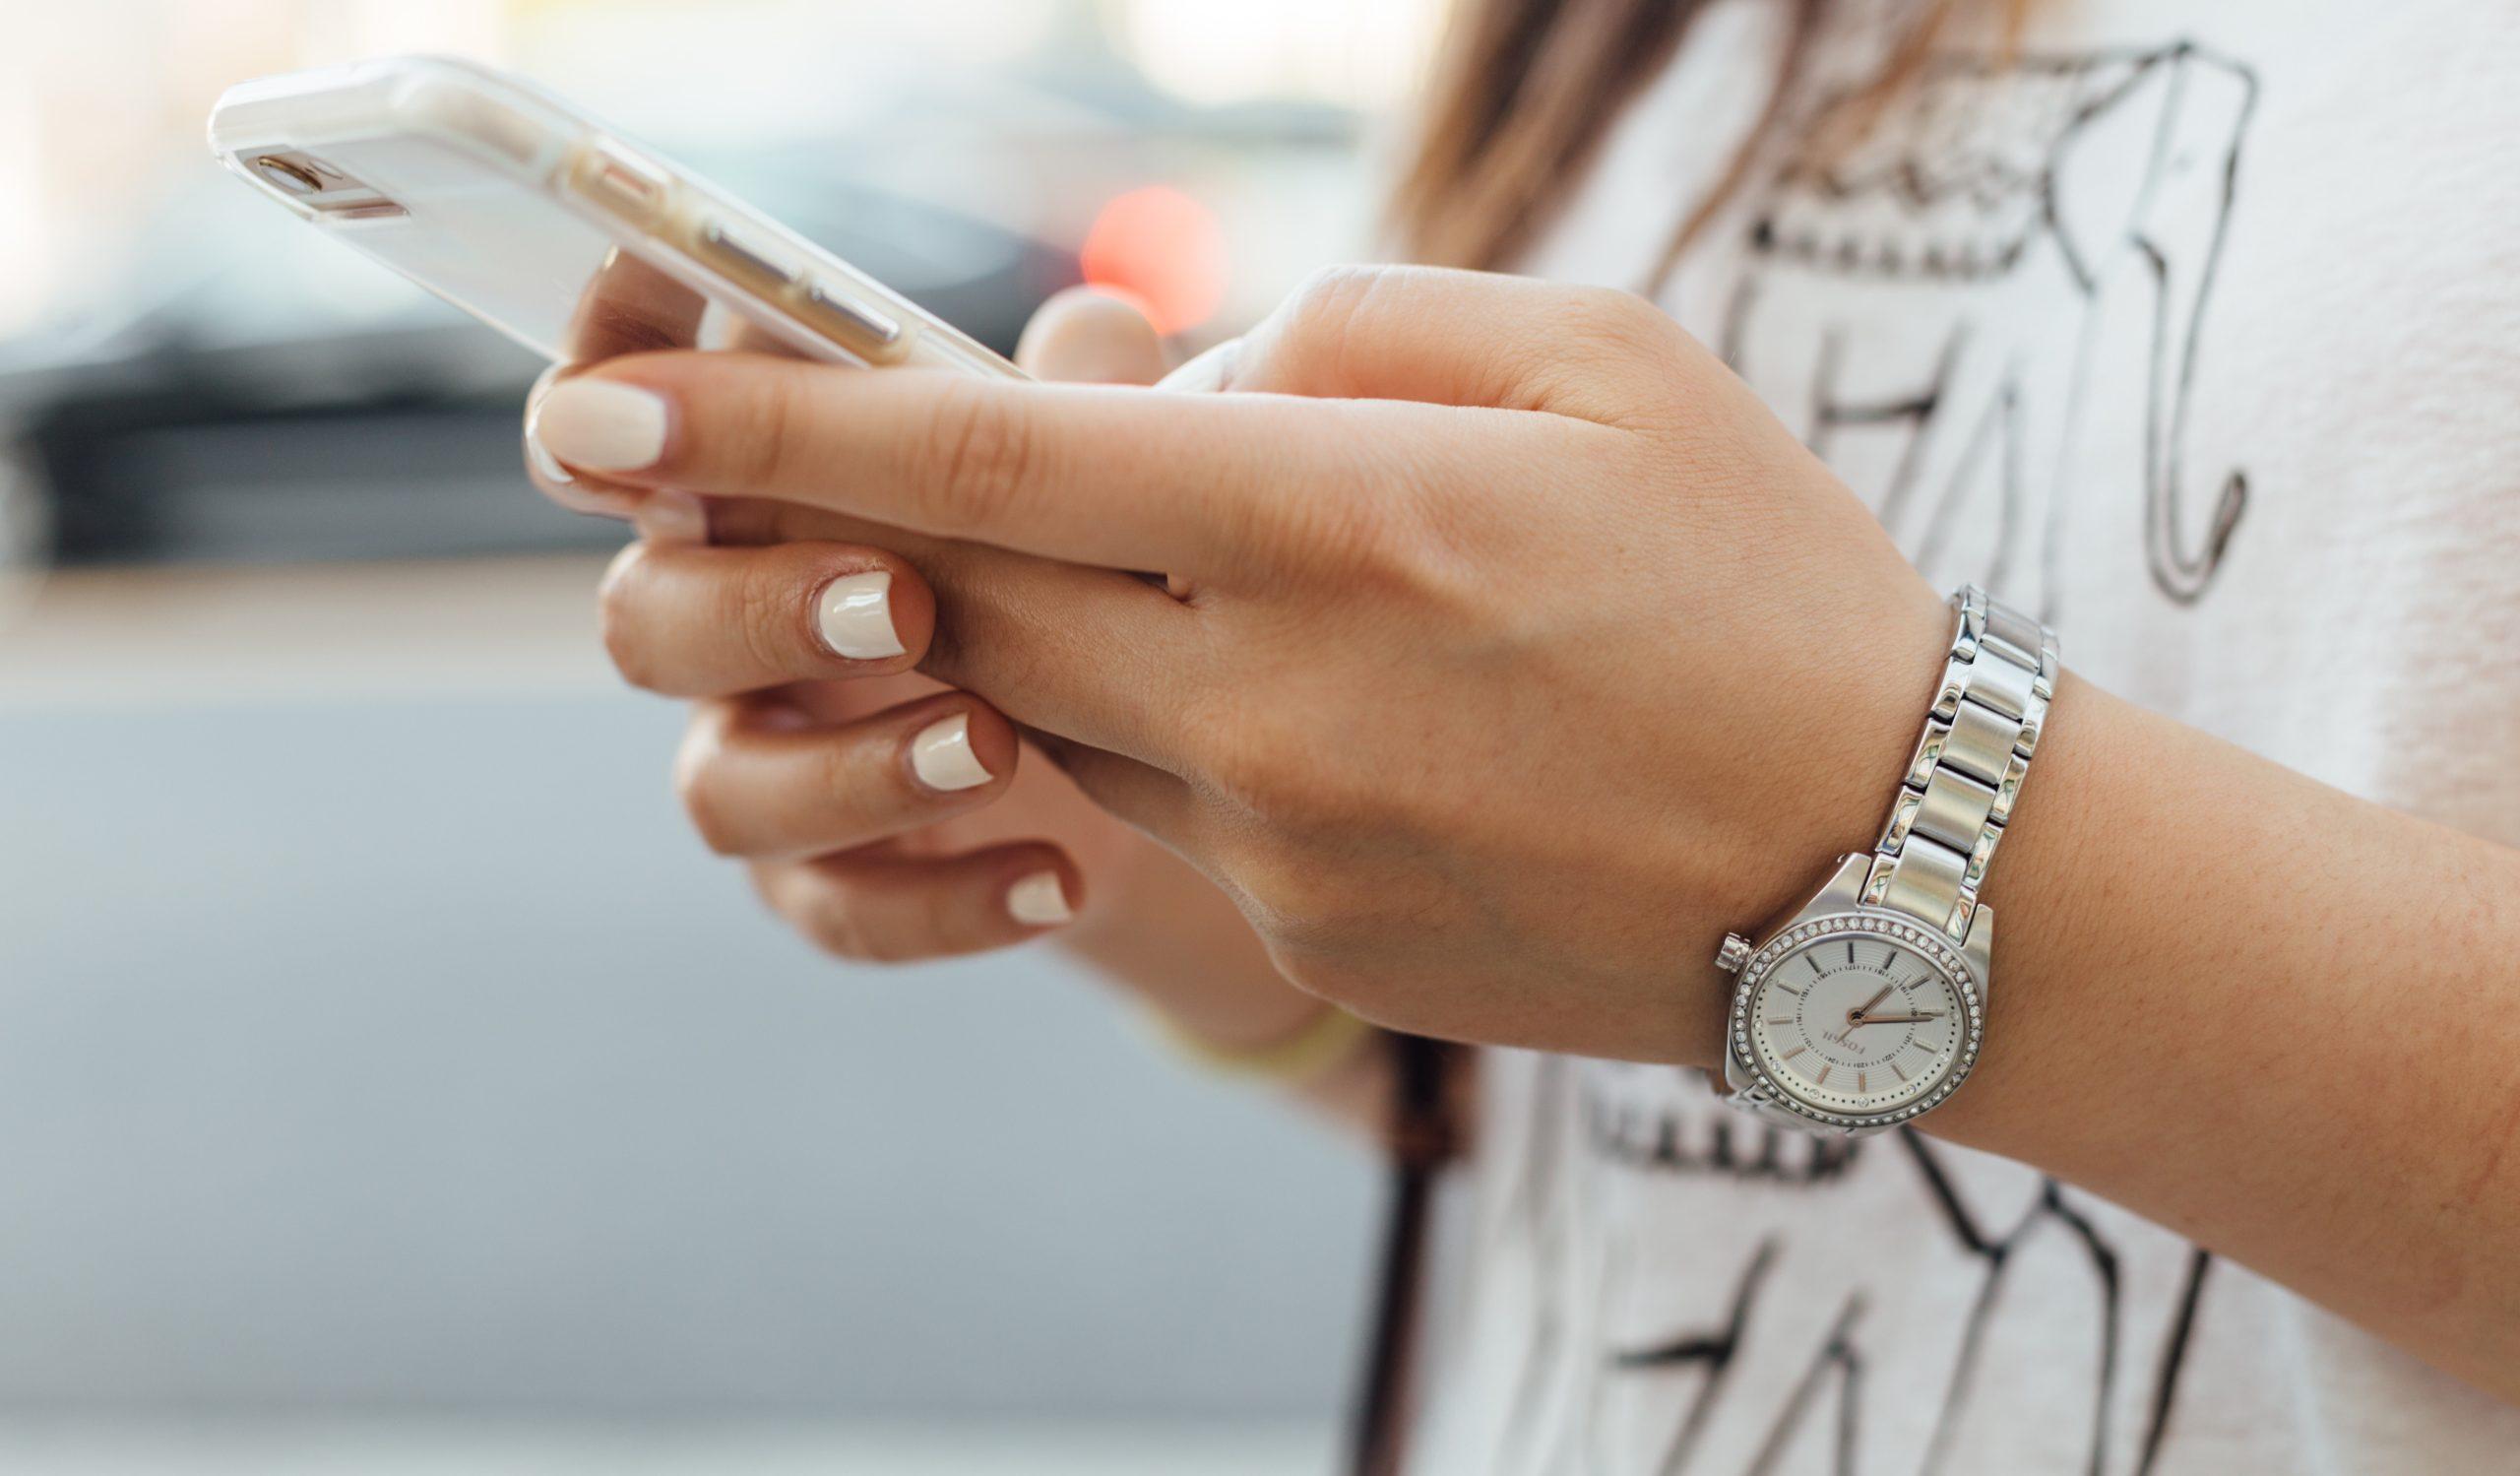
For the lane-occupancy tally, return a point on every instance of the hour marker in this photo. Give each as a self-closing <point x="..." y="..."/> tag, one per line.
<point x="1889" y="956"/>
<point x="1823" y="1079"/>
<point x="1814" y="961"/>
<point x="1894" y="1069"/>
<point x="1849" y="953"/>
<point x="1863" y="1083"/>
<point x="1797" y="1051"/>
<point x="1779" y="1019"/>
<point x="1789" y="989"/>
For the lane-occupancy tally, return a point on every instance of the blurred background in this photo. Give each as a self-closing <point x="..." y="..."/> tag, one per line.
<point x="388" y="1080"/>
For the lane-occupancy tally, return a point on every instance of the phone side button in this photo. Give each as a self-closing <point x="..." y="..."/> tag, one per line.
<point x="624" y="186"/>
<point x="871" y="335"/>
<point x="744" y="257"/>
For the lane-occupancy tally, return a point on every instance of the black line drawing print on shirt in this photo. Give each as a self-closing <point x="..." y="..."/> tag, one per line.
<point x="2023" y="206"/>
<point x="1624" y="1133"/>
<point x="1711" y="1350"/>
<point x="1711" y="1353"/>
<point x="1678" y="1378"/>
<point x="1996" y="1252"/>
<point x="2018" y="190"/>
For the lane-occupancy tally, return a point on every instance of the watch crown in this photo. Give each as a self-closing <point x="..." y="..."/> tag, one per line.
<point x="1734" y="953"/>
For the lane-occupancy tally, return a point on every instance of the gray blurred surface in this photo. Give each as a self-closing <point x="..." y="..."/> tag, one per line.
<point x="409" y="1055"/>
<point x="617" y="1447"/>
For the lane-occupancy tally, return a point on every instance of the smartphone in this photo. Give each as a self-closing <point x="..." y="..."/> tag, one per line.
<point x="553" y="228"/>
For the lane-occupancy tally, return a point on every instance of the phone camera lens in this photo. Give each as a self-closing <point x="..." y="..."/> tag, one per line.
<point x="288" y="177"/>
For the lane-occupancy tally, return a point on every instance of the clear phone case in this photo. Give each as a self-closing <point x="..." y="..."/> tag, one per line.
<point x="548" y="225"/>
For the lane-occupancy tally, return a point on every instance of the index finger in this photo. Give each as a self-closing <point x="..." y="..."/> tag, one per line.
<point x="1121" y="476"/>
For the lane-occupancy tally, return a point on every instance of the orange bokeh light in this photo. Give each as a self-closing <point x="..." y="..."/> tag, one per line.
<point x="1162" y="248"/>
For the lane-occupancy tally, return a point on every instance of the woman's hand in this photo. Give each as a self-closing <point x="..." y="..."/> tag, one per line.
<point x="1513" y="650"/>
<point x="1531" y="654"/>
<point x="883" y="815"/>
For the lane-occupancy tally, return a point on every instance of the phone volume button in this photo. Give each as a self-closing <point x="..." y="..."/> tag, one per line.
<point x="745" y="257"/>
<point x="870" y="334"/>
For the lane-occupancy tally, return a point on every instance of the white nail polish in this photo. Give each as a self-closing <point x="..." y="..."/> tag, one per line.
<point x="672" y="517"/>
<point x="942" y="757"/>
<point x="1038" y="901"/>
<point x="594" y="502"/>
<point x="854" y="614"/>
<point x="600" y="425"/>
<point x="544" y="461"/>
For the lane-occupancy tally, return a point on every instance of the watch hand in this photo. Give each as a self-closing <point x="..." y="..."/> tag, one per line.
<point x="1930" y="1014"/>
<point x="1856" y="1015"/>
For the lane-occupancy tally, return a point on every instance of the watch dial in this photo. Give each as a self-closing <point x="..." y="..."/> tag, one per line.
<point x="1856" y="1023"/>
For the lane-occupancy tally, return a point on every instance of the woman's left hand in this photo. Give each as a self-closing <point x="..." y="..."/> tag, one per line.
<point x="1512" y="651"/>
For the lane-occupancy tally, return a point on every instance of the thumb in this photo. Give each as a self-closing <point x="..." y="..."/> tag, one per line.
<point x="1092" y="337"/>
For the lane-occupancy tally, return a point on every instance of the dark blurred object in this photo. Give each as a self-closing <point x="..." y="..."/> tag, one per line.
<point x="257" y="394"/>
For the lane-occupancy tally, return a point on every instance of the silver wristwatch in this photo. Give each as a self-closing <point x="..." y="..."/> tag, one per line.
<point x="1867" y="1007"/>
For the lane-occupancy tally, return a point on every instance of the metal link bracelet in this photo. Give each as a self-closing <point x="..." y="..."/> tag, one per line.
<point x="1961" y="786"/>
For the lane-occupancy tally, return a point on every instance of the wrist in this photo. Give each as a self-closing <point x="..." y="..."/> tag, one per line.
<point x="1163" y="932"/>
<point x="1866" y="1007"/>
<point x="2056" y="861"/>
<point x="1849" y="740"/>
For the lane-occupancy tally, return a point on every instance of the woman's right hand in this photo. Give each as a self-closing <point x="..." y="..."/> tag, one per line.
<point x="885" y="815"/>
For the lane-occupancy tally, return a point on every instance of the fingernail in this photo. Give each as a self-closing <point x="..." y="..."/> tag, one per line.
<point x="544" y="461"/>
<point x="596" y="502"/>
<point x="670" y="516"/>
<point x="942" y="757"/>
<point x="1038" y="901"/>
<point x="854" y="614"/>
<point x="600" y="425"/>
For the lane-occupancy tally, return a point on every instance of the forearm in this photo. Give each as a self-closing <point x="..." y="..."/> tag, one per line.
<point x="2281" y="1020"/>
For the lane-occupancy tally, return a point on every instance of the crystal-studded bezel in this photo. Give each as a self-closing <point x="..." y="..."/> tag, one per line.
<point x="1928" y="943"/>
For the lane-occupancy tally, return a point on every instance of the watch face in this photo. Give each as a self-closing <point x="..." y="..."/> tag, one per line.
<point x="1858" y="1016"/>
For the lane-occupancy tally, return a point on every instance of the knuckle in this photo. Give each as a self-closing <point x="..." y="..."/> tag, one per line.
<point x="1595" y="326"/>
<point x="759" y="448"/>
<point x="617" y="621"/>
<point x="703" y="794"/>
<point x="615" y="612"/>
<point x="982" y="453"/>
<point x="1330" y="296"/>
<point x="765" y="615"/>
<point x="1607" y="323"/>
<point x="1308" y="342"/>
<point x="1613" y="318"/>
<point x="836" y="771"/>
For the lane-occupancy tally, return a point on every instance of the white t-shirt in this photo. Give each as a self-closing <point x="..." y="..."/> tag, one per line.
<point x="2196" y="329"/>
